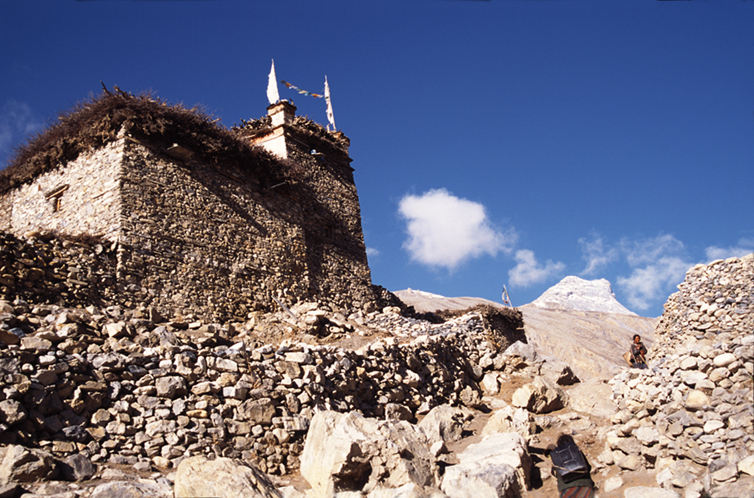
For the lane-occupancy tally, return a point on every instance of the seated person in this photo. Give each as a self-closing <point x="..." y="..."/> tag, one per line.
<point x="638" y="358"/>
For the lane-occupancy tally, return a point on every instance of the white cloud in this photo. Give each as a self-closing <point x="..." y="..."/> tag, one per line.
<point x="647" y="251"/>
<point x="371" y="251"/>
<point x="529" y="271"/>
<point x="658" y="265"/>
<point x="444" y="230"/>
<point x="744" y="247"/>
<point x="16" y="122"/>
<point x="596" y="254"/>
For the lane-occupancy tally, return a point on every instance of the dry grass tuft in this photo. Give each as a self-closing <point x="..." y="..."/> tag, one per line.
<point x="98" y="121"/>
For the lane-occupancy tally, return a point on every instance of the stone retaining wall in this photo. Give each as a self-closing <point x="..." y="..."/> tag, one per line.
<point x="690" y="416"/>
<point x="118" y="388"/>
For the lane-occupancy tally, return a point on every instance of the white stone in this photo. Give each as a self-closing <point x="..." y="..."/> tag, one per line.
<point x="713" y="425"/>
<point x="490" y="383"/>
<point x="693" y="378"/>
<point x="723" y="360"/>
<point x="612" y="483"/>
<point x="498" y="465"/>
<point x="346" y="448"/>
<point x="696" y="400"/>
<point x="689" y="363"/>
<point x="747" y="465"/>
<point x="647" y="492"/>
<point x="647" y="434"/>
<point x="221" y="478"/>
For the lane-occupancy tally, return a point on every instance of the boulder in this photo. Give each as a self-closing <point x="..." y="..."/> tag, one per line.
<point x="741" y="488"/>
<point x="491" y="383"/>
<point x="498" y="466"/>
<point x="541" y="396"/>
<point x="489" y="481"/>
<point x="78" y="467"/>
<point x="406" y="491"/>
<point x="593" y="398"/>
<point x="509" y="419"/>
<point x="746" y="465"/>
<point x="443" y="423"/>
<point x="394" y="411"/>
<point x="26" y="465"/>
<point x="628" y="445"/>
<point x="133" y="489"/>
<point x="221" y="478"/>
<point x="470" y="397"/>
<point x="348" y="452"/>
<point x="612" y="483"/>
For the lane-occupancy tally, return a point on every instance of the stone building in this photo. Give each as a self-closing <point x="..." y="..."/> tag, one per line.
<point x="203" y="221"/>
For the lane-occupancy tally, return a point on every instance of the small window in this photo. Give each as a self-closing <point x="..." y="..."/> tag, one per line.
<point x="54" y="195"/>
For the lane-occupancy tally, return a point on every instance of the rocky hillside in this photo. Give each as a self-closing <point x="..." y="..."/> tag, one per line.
<point x="101" y="401"/>
<point x="577" y="322"/>
<point x="591" y="343"/>
<point x="427" y="302"/>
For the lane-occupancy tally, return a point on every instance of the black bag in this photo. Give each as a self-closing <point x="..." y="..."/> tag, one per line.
<point x="568" y="462"/>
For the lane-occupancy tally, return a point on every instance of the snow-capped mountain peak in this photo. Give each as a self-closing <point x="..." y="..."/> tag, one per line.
<point x="574" y="293"/>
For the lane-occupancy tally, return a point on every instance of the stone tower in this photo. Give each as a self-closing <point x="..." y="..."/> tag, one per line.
<point x="205" y="221"/>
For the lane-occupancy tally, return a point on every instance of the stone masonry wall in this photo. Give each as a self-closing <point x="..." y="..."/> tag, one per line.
<point x="206" y="241"/>
<point x="336" y="254"/>
<point x="87" y="202"/>
<point x="115" y="387"/>
<point x="54" y="271"/>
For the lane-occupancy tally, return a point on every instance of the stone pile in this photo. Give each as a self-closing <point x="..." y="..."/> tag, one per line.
<point x="691" y="415"/>
<point x="348" y="453"/>
<point x="112" y="386"/>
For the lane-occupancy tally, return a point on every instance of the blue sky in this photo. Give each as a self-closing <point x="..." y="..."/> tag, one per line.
<point x="494" y="143"/>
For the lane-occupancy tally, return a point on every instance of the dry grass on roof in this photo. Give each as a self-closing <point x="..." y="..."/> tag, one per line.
<point x="96" y="122"/>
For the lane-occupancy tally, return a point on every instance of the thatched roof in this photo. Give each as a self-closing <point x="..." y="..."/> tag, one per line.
<point x="96" y="122"/>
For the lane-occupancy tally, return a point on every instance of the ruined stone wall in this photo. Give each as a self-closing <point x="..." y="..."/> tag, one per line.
<point x="691" y="415"/>
<point x="82" y="198"/>
<point x="118" y="388"/>
<point x="206" y="240"/>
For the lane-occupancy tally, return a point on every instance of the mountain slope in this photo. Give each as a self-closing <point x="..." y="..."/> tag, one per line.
<point x="574" y="293"/>
<point x="591" y="342"/>
<point x="563" y="324"/>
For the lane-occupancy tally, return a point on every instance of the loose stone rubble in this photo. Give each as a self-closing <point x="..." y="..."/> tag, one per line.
<point x="123" y="389"/>
<point x="88" y="389"/>
<point x="690" y="417"/>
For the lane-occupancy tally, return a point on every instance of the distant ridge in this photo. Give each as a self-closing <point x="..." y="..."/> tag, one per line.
<point x="577" y="322"/>
<point x="425" y="302"/>
<point x="576" y="294"/>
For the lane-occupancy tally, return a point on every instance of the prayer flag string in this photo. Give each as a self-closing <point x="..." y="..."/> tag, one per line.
<point x="301" y="91"/>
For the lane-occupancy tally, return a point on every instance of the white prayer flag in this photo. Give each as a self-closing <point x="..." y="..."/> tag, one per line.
<point x="272" y="86"/>
<point x="330" y="115"/>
